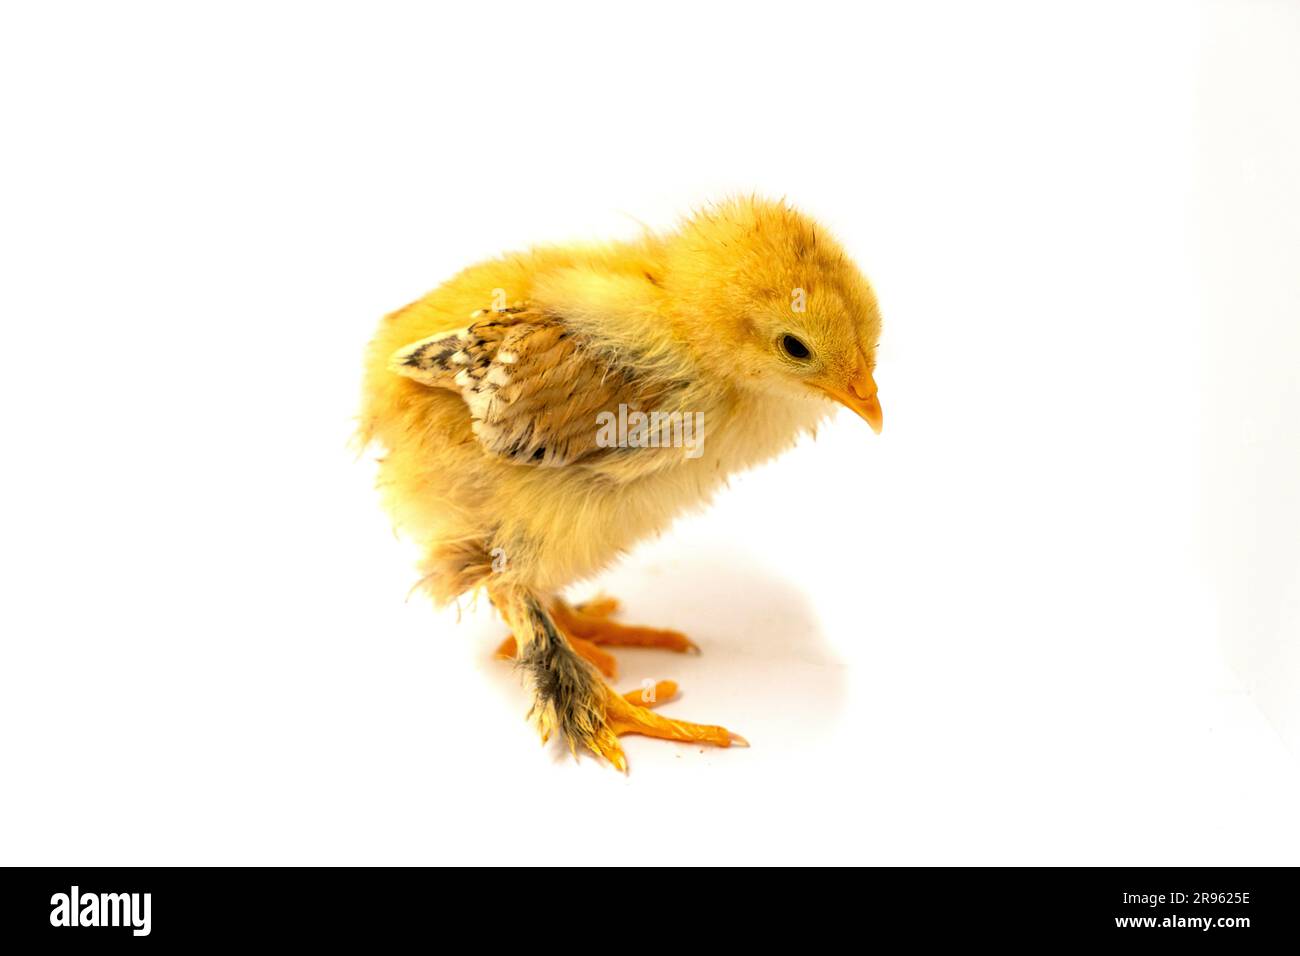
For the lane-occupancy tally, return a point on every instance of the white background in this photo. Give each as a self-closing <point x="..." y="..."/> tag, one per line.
<point x="1049" y="616"/>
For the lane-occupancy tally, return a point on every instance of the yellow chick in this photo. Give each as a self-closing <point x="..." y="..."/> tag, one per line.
<point x="545" y="411"/>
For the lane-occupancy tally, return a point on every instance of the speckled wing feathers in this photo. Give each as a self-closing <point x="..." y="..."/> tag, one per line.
<point x="533" y="392"/>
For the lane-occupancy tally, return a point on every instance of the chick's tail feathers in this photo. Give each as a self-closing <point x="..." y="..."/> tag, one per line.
<point x="453" y="568"/>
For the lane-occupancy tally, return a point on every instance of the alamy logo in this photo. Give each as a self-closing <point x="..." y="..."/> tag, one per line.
<point x="651" y="430"/>
<point x="101" y="909"/>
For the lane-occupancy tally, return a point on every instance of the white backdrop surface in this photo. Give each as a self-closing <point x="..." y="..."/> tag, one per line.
<point x="1049" y="616"/>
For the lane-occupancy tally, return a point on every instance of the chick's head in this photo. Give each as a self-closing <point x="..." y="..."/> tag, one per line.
<point x="771" y="302"/>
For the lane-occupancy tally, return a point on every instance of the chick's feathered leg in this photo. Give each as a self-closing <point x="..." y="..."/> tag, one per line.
<point x="604" y="661"/>
<point x="570" y="697"/>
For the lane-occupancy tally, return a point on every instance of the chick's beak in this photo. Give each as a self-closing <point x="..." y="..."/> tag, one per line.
<point x="861" y="397"/>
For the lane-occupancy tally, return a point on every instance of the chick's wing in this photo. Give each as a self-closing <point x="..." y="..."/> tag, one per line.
<point x="534" y="391"/>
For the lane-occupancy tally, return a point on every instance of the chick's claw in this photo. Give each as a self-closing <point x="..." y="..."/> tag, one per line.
<point x="606" y="745"/>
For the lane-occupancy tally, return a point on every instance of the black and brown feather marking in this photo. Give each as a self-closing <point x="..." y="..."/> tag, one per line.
<point x="432" y="355"/>
<point x="533" y="389"/>
<point x="567" y="688"/>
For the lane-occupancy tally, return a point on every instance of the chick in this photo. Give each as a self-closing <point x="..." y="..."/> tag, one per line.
<point x="544" y="411"/>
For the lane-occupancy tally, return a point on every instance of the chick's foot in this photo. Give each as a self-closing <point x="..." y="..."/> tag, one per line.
<point x="591" y="621"/>
<point x="630" y="714"/>
<point x="588" y="624"/>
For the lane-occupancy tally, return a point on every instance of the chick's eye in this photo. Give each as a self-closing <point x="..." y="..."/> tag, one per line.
<point x="794" y="348"/>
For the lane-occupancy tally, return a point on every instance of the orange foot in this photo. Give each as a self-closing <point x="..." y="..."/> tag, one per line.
<point x="591" y="621"/>
<point x="588" y="625"/>
<point x="630" y="714"/>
